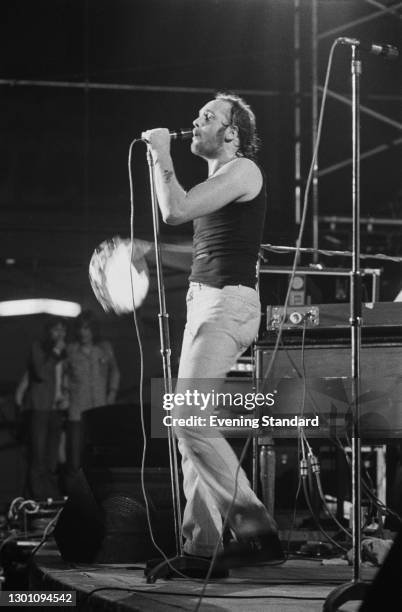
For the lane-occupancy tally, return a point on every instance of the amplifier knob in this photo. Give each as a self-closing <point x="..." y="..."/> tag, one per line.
<point x="295" y="318"/>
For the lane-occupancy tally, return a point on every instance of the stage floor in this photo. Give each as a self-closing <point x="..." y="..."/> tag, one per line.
<point x="299" y="585"/>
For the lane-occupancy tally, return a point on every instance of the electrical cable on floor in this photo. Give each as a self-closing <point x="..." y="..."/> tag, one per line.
<point x="379" y="504"/>
<point x="325" y="505"/>
<point x="47" y="532"/>
<point x="29" y="506"/>
<point x="192" y="594"/>
<point x="316" y="520"/>
<point x="10" y="538"/>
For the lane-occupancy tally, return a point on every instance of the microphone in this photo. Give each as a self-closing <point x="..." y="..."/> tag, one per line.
<point x="181" y="134"/>
<point x="388" y="51"/>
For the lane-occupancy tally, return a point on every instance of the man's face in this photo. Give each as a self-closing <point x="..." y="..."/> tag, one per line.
<point x="85" y="334"/>
<point x="57" y="332"/>
<point x="210" y="127"/>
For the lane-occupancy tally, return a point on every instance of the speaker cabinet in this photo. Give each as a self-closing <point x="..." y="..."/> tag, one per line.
<point x="105" y="521"/>
<point x="328" y="386"/>
<point x="112" y="437"/>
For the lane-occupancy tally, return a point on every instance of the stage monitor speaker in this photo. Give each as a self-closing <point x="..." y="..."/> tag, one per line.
<point x="104" y="519"/>
<point x="112" y="437"/>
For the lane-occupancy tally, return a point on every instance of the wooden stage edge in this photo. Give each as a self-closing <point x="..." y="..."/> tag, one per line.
<point x="299" y="585"/>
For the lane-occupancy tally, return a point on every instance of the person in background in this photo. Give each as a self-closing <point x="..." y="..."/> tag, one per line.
<point x="92" y="379"/>
<point x="47" y="402"/>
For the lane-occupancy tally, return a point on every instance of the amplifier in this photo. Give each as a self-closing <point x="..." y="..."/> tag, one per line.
<point x="321" y="373"/>
<point x="384" y="314"/>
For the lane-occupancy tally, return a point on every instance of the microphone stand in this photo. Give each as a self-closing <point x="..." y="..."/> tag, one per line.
<point x="355" y="589"/>
<point x="179" y="564"/>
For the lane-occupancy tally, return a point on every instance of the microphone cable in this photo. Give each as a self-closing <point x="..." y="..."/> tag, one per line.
<point x="141" y="350"/>
<point x="305" y="206"/>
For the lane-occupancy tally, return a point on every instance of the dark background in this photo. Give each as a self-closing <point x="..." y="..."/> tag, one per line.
<point x="63" y="149"/>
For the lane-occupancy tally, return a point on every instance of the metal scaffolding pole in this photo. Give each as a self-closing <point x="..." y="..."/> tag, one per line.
<point x="297" y="112"/>
<point x="391" y="11"/>
<point x="314" y="120"/>
<point x="350" y="24"/>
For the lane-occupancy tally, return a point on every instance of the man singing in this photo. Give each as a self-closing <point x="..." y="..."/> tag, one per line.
<point x="223" y="315"/>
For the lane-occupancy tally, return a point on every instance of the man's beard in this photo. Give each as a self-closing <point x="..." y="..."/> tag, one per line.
<point x="208" y="149"/>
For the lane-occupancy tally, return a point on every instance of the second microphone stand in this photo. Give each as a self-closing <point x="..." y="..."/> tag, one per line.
<point x="355" y="589"/>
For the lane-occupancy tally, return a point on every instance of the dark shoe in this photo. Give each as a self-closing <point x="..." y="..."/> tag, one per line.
<point x="192" y="566"/>
<point x="217" y="571"/>
<point x="262" y="548"/>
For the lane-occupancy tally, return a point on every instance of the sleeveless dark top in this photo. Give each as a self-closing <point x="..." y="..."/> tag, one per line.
<point x="226" y="243"/>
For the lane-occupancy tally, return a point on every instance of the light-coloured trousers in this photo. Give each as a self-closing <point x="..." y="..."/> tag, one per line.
<point x="221" y="324"/>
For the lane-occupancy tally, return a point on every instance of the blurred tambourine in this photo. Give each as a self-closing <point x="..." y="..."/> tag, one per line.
<point x="119" y="274"/>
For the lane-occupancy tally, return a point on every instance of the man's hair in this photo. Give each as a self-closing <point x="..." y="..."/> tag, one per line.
<point x="88" y="319"/>
<point x="51" y="322"/>
<point x="243" y="118"/>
